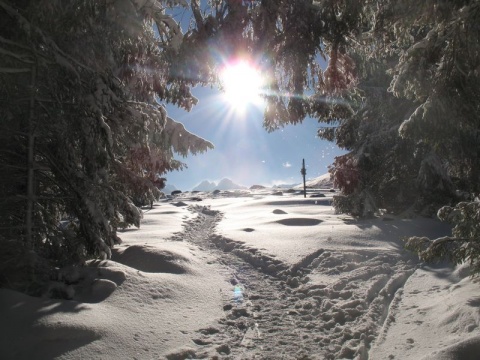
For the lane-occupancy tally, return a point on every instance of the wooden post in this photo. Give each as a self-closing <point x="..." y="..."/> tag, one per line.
<point x="304" y="172"/>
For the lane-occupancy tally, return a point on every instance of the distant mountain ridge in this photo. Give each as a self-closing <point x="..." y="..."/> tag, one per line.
<point x="205" y="185"/>
<point x="320" y="182"/>
<point x="169" y="188"/>
<point x="224" y="184"/>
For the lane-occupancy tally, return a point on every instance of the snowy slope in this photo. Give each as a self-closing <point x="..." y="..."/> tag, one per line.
<point x="321" y="182"/>
<point x="254" y="277"/>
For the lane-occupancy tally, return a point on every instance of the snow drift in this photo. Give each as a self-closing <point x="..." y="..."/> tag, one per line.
<point x="253" y="275"/>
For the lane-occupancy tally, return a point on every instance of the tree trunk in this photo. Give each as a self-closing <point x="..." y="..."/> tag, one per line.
<point x="30" y="162"/>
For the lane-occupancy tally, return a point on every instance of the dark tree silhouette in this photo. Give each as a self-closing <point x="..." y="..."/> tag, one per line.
<point x="84" y="133"/>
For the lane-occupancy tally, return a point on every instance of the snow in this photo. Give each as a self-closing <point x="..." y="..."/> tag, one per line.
<point x="247" y="274"/>
<point x="321" y="182"/>
<point x="182" y="141"/>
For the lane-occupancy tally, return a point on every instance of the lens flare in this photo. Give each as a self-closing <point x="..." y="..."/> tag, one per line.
<point x="242" y="83"/>
<point x="238" y="294"/>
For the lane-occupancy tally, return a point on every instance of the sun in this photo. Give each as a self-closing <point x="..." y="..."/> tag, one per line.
<point x="242" y="83"/>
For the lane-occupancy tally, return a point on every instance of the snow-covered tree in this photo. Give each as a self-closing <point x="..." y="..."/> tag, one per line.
<point x="287" y="40"/>
<point x="462" y="246"/>
<point x="411" y="123"/>
<point x="84" y="132"/>
<point x="401" y="90"/>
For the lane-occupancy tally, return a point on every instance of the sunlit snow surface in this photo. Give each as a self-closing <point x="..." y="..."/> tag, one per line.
<point x="248" y="274"/>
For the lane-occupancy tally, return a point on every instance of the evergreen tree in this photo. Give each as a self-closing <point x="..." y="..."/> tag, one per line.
<point x="286" y="40"/>
<point x="400" y="93"/>
<point x="83" y="130"/>
<point x="83" y="133"/>
<point x="435" y="73"/>
<point x="400" y="86"/>
<point x="377" y="172"/>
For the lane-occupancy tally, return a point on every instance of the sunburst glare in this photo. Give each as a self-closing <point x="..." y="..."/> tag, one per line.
<point x="242" y="83"/>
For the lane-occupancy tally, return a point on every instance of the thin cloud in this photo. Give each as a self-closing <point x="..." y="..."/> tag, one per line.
<point x="286" y="165"/>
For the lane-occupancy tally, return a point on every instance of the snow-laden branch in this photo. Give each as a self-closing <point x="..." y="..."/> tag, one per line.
<point x="166" y="25"/>
<point x="184" y="142"/>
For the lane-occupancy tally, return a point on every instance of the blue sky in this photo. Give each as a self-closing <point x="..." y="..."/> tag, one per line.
<point x="244" y="151"/>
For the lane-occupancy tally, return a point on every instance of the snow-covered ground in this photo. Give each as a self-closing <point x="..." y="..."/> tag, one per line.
<point x="252" y="275"/>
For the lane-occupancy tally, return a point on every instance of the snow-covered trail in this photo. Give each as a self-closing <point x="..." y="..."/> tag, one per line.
<point x="253" y="276"/>
<point x="329" y="305"/>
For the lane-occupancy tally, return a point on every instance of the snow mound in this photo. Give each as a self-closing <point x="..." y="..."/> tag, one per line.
<point x="464" y="350"/>
<point x="445" y="311"/>
<point x="150" y="259"/>
<point x="92" y="283"/>
<point x="180" y="204"/>
<point x="99" y="290"/>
